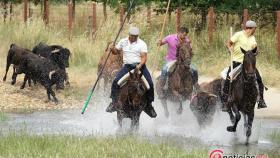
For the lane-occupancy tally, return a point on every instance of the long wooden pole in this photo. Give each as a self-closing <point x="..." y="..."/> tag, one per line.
<point x="161" y="33"/>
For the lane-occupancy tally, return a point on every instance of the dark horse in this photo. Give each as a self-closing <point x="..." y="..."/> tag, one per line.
<point x="112" y="67"/>
<point x="180" y="84"/>
<point x="132" y="99"/>
<point x="244" y="94"/>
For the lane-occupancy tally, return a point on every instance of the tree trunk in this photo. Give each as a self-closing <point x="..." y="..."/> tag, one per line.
<point x="11" y="10"/>
<point x="203" y="18"/>
<point x="105" y="9"/>
<point x="74" y="9"/>
<point x="5" y="10"/>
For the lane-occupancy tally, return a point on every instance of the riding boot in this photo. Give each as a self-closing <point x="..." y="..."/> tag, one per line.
<point x="225" y="95"/>
<point x="113" y="106"/>
<point x="149" y="110"/>
<point x="261" y="102"/>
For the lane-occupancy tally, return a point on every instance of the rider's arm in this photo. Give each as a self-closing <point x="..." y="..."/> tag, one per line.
<point x="143" y="55"/>
<point x="229" y="44"/>
<point x="143" y="59"/>
<point x="117" y="49"/>
<point x="163" y="41"/>
<point x="233" y="40"/>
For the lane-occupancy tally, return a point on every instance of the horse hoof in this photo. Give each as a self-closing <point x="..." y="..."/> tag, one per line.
<point x="231" y="129"/>
<point x="13" y="82"/>
<point x="248" y="133"/>
<point x="180" y="111"/>
<point x="166" y="114"/>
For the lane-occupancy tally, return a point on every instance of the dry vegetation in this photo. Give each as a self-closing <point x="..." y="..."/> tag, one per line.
<point x="210" y="59"/>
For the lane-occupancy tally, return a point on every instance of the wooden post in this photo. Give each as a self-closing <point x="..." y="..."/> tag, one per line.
<point x="211" y="23"/>
<point x="149" y="16"/>
<point x="105" y="10"/>
<point x="25" y="6"/>
<point x="178" y="18"/>
<point x="245" y="18"/>
<point x="11" y="10"/>
<point x="121" y="14"/>
<point x="94" y="19"/>
<point x="70" y="19"/>
<point x="5" y="11"/>
<point x="278" y="33"/>
<point x="46" y="12"/>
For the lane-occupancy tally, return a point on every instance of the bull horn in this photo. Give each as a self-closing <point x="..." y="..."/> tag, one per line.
<point x="55" y="51"/>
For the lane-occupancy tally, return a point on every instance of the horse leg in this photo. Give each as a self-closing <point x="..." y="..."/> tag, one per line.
<point x="249" y="125"/>
<point x="231" y="116"/>
<point x="120" y="118"/>
<point x="180" y="109"/>
<point x="164" y="104"/>
<point x="237" y="118"/>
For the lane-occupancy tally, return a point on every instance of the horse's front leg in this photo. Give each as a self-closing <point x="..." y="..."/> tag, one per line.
<point x="231" y="116"/>
<point x="164" y="105"/>
<point x="237" y="118"/>
<point x="249" y="125"/>
<point x="120" y="118"/>
<point x="180" y="109"/>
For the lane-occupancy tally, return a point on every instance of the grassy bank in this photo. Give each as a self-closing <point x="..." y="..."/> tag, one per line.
<point x="67" y="146"/>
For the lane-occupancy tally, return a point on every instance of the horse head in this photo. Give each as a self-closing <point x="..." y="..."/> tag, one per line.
<point x="136" y="88"/>
<point x="249" y="63"/>
<point x="184" y="54"/>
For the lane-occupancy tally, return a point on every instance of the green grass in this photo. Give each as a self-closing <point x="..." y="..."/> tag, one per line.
<point x="3" y="116"/>
<point x="60" y="146"/>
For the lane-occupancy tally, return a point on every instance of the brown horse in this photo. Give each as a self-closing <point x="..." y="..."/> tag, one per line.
<point x="180" y="84"/>
<point x="132" y="99"/>
<point x="112" y="67"/>
<point x="244" y="93"/>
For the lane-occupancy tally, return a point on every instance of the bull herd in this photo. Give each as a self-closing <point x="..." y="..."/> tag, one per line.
<point x="45" y="64"/>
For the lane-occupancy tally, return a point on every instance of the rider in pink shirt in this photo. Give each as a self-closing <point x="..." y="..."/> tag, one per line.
<point x="172" y="41"/>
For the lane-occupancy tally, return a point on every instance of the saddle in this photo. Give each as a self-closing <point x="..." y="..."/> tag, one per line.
<point x="171" y="66"/>
<point x="123" y="80"/>
<point x="234" y="73"/>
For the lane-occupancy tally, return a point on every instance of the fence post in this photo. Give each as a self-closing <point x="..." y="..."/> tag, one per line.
<point x="11" y="10"/>
<point x="178" y="18"/>
<point x="5" y="11"/>
<point x="121" y="14"/>
<point x="104" y="10"/>
<point x="245" y="17"/>
<point x="149" y="16"/>
<point x="70" y="19"/>
<point x="278" y="33"/>
<point x="46" y="12"/>
<point x="94" y="19"/>
<point x="211" y="24"/>
<point x="25" y="6"/>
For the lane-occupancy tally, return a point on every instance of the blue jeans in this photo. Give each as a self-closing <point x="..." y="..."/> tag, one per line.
<point x="124" y="70"/>
<point x="164" y="72"/>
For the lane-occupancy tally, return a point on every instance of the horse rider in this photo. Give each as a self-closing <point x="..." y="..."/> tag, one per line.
<point x="246" y="40"/>
<point x="134" y="56"/>
<point x="172" y="41"/>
